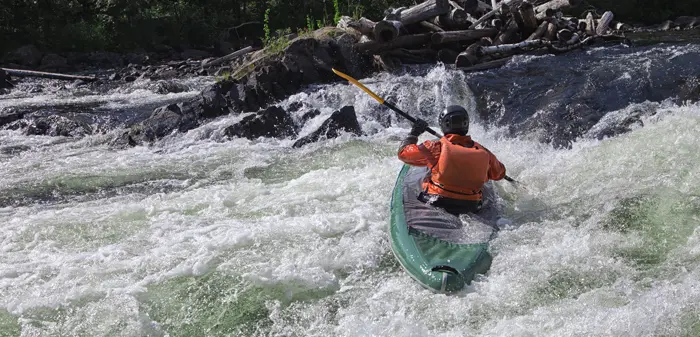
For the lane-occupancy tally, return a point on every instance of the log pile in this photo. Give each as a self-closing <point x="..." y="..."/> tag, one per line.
<point x="476" y="35"/>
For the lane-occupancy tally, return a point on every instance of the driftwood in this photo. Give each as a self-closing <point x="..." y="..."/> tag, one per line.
<point x="386" y="30"/>
<point x="424" y="11"/>
<point x="227" y="58"/>
<point x="404" y="41"/>
<point x="604" y="23"/>
<point x="492" y="12"/>
<point x="551" y="32"/>
<point x="539" y="32"/>
<point x="554" y="5"/>
<point x="447" y="56"/>
<point x="55" y="76"/>
<point x="431" y="26"/>
<point x="454" y="19"/>
<point x="564" y="35"/>
<point x="527" y="12"/>
<point x="590" y="25"/>
<point x="507" y="48"/>
<point x="421" y="56"/>
<point x="486" y="65"/>
<point x="462" y="35"/>
<point x="470" y="56"/>
<point x="510" y="35"/>
<point x="363" y="25"/>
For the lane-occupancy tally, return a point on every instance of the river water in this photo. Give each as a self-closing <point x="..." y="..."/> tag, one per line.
<point x="201" y="236"/>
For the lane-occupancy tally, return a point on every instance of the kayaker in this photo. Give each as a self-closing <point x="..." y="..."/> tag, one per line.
<point x="459" y="166"/>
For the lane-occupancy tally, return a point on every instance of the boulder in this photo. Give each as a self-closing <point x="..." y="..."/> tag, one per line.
<point x="181" y="117"/>
<point x="166" y="87"/>
<point x="9" y="117"/>
<point x="28" y="55"/>
<point x="344" y="120"/>
<point x="54" y="62"/>
<point x="271" y="122"/>
<point x="4" y="83"/>
<point x="56" y="126"/>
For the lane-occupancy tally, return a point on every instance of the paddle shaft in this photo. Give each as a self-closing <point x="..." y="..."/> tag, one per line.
<point x="393" y="107"/>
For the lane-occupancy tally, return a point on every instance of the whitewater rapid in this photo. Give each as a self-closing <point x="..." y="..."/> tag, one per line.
<point x="201" y="236"/>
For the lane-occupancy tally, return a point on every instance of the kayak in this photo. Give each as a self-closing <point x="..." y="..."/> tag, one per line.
<point x="441" y="251"/>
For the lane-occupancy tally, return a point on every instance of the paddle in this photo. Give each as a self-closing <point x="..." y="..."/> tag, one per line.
<point x="393" y="107"/>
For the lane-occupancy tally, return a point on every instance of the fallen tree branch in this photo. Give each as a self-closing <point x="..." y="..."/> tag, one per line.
<point x="55" y="76"/>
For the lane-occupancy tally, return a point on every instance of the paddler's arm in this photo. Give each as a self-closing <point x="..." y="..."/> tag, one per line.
<point x="413" y="154"/>
<point x="497" y="170"/>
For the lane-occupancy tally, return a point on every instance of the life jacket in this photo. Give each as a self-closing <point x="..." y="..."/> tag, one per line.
<point x="460" y="171"/>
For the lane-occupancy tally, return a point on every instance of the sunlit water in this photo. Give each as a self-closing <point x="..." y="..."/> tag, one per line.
<point x="198" y="235"/>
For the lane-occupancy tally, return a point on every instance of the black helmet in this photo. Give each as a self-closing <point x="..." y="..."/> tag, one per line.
<point x="454" y="119"/>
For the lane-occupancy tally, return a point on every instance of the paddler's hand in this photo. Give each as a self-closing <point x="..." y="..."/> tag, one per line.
<point x="418" y="127"/>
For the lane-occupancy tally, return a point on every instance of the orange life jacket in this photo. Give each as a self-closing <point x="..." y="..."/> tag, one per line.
<point x="460" y="172"/>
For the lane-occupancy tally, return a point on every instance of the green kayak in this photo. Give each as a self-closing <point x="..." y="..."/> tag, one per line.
<point x="441" y="251"/>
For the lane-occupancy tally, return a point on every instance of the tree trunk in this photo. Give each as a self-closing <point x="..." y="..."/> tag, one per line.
<point x="386" y="30"/>
<point x="431" y="26"/>
<point x="486" y="65"/>
<point x="604" y="24"/>
<point x="551" y="32"/>
<point x="510" y="35"/>
<point x="55" y="76"/>
<point x="590" y="24"/>
<point x="424" y="11"/>
<point x="363" y="25"/>
<point x="447" y="56"/>
<point x="554" y="5"/>
<point x="404" y="41"/>
<point x="406" y="56"/>
<point x="508" y="48"/>
<point x="539" y="32"/>
<point x="527" y="12"/>
<point x="462" y="35"/>
<point x="228" y="58"/>
<point x="455" y="19"/>
<point x="470" y="56"/>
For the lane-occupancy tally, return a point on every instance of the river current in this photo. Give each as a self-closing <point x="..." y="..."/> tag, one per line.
<point x="198" y="235"/>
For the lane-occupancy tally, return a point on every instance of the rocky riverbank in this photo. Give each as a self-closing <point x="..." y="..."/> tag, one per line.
<point x="253" y="83"/>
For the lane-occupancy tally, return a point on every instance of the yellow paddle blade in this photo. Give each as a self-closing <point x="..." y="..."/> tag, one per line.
<point x="357" y="83"/>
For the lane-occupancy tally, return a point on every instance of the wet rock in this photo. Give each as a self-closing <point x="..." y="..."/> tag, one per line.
<point x="181" y="117"/>
<point x="4" y="83"/>
<point x="689" y="90"/>
<point x="57" y="126"/>
<point x="28" y="55"/>
<point x="14" y="149"/>
<point x="686" y="22"/>
<point x="166" y="87"/>
<point x="271" y="122"/>
<point x="311" y="114"/>
<point x="344" y="120"/>
<point x="130" y="78"/>
<point x="115" y="77"/>
<point x="54" y="62"/>
<point x="136" y="58"/>
<point x="666" y="25"/>
<point x="9" y="117"/>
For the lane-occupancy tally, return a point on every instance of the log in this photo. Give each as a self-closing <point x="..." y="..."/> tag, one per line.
<point x="527" y="12"/>
<point x="493" y="12"/>
<point x="568" y="47"/>
<point x="510" y="35"/>
<point x="55" y="76"/>
<point x="462" y="35"/>
<point x="424" y="11"/>
<point x="604" y="23"/>
<point x="551" y="32"/>
<point x="486" y="65"/>
<point x="227" y="58"/>
<point x="413" y="56"/>
<point x="469" y="6"/>
<point x="363" y="25"/>
<point x="431" y="26"/>
<point x="508" y="48"/>
<point x="455" y="19"/>
<point x="447" y="55"/>
<point x="386" y="30"/>
<point x="470" y="56"/>
<point x="590" y="24"/>
<point x="404" y="41"/>
<point x="621" y="26"/>
<point x="555" y="5"/>
<point x="539" y="33"/>
<point x="564" y="35"/>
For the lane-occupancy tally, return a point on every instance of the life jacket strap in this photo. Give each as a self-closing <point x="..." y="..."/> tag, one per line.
<point x="442" y="187"/>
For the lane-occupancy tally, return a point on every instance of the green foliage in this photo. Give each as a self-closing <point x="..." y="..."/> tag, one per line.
<point x="336" y="8"/>
<point x="309" y="23"/>
<point x="118" y="25"/>
<point x="266" y="26"/>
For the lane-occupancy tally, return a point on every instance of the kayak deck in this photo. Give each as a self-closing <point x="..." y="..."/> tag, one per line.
<point x="441" y="251"/>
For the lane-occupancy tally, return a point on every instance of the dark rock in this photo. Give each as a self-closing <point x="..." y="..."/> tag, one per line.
<point x="115" y="77"/>
<point x="166" y="87"/>
<point x="136" y="58"/>
<point x="666" y="25"/>
<point x="271" y="122"/>
<point x="9" y="117"/>
<point x="181" y="117"/>
<point x="28" y="55"/>
<point x="689" y="90"/>
<point x="202" y="72"/>
<point x="685" y="22"/>
<point x="343" y="120"/>
<point x="57" y="126"/>
<point x="243" y="98"/>
<point x="295" y="106"/>
<point x="14" y="149"/>
<point x="35" y="89"/>
<point x="54" y="62"/>
<point x="4" y="80"/>
<point x="106" y="59"/>
<point x="130" y="78"/>
<point x="309" y="115"/>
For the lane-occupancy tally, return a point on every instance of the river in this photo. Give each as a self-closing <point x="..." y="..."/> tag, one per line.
<point x="198" y="235"/>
